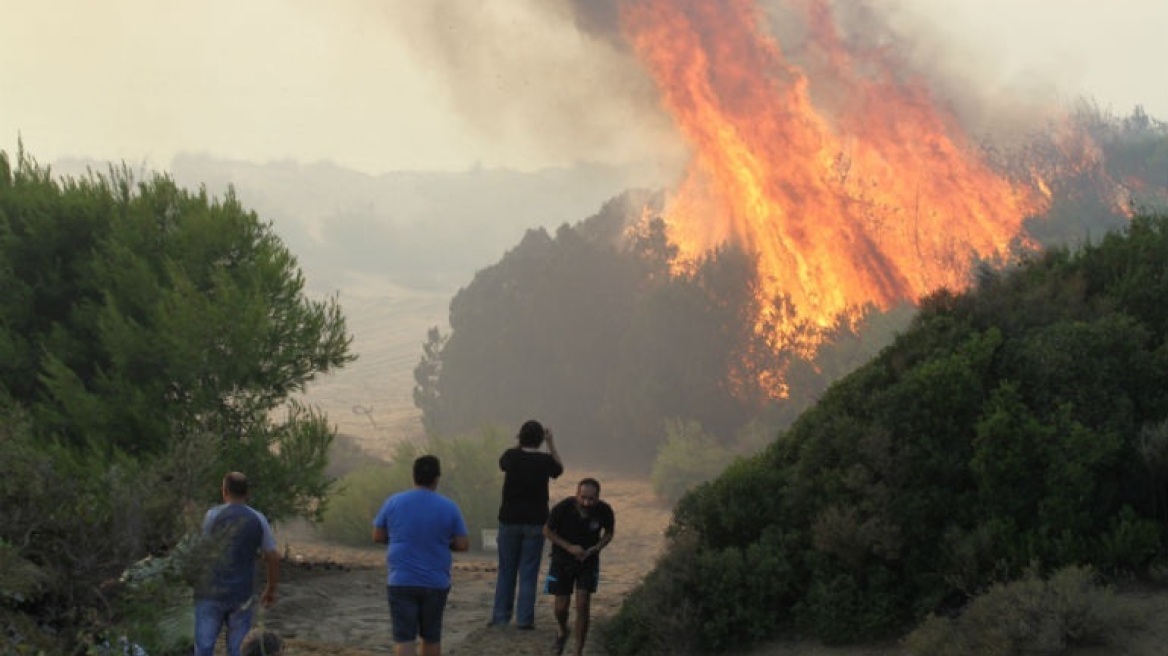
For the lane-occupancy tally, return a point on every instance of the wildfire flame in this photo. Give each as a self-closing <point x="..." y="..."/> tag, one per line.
<point x="853" y="186"/>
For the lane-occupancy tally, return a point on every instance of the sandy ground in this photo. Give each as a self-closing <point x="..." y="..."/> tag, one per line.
<point x="332" y="599"/>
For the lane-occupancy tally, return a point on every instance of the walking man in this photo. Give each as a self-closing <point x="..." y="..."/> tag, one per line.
<point x="421" y="528"/>
<point x="233" y="533"/>
<point x="521" y="518"/>
<point x="579" y="528"/>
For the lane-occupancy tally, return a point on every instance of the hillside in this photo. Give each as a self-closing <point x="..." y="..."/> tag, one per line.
<point x="372" y="399"/>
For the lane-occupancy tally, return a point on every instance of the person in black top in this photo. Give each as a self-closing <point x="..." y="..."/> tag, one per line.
<point x="522" y="514"/>
<point x="579" y="528"/>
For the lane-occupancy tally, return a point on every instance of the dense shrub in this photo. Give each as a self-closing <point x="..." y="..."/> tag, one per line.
<point x="699" y="600"/>
<point x="1029" y="617"/>
<point x="1017" y="423"/>
<point x="470" y="477"/>
<point x="55" y="500"/>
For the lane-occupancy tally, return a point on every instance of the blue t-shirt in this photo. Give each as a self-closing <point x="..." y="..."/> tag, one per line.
<point x="238" y="532"/>
<point x="421" y="524"/>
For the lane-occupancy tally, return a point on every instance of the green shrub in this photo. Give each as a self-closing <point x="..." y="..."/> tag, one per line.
<point x="1131" y="542"/>
<point x="687" y="458"/>
<point x="349" y="514"/>
<point x="658" y="617"/>
<point x="843" y="606"/>
<point x="742" y="592"/>
<point x="61" y="583"/>
<point x="1029" y="617"/>
<point x="470" y="477"/>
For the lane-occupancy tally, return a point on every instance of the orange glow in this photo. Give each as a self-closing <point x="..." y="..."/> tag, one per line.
<point x="853" y="185"/>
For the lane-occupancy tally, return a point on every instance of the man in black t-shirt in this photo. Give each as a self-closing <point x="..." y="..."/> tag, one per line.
<point x="578" y="528"/>
<point x="522" y="514"/>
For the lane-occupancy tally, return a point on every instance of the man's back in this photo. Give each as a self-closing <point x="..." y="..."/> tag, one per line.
<point x="236" y="533"/>
<point x="525" y="485"/>
<point x="421" y="524"/>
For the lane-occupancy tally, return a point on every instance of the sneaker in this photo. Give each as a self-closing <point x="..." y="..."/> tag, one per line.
<point x="526" y="627"/>
<point x="558" y="646"/>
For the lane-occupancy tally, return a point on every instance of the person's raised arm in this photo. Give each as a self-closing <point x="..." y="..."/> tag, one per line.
<point x="551" y="445"/>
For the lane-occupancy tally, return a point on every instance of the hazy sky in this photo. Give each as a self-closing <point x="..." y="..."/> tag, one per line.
<point x="381" y="85"/>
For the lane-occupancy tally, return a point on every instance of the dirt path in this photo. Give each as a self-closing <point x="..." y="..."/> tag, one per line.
<point x="332" y="599"/>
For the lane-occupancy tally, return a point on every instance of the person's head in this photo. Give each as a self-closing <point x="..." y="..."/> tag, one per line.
<point x="427" y="469"/>
<point x="531" y="434"/>
<point x="262" y="643"/>
<point x="235" y="486"/>
<point x="587" y="494"/>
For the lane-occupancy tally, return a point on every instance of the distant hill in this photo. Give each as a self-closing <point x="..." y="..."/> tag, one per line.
<point x="421" y="229"/>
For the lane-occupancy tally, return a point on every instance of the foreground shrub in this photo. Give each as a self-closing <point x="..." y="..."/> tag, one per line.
<point x="470" y="477"/>
<point x="1029" y="617"/>
<point x="59" y="585"/>
<point x="739" y="590"/>
<point x="1017" y="422"/>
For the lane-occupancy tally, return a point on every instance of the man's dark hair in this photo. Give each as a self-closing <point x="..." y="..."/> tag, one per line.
<point x="266" y="643"/>
<point x="427" y="469"/>
<point x="531" y="434"/>
<point x="236" y="484"/>
<point x="589" y="481"/>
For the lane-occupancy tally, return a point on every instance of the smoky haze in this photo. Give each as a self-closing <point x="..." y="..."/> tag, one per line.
<point x="559" y="77"/>
<point x="547" y="75"/>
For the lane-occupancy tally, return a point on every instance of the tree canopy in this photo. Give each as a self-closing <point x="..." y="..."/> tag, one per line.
<point x="151" y="339"/>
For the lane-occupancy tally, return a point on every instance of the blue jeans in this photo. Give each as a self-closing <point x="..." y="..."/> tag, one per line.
<point x="211" y="616"/>
<point x="520" y="550"/>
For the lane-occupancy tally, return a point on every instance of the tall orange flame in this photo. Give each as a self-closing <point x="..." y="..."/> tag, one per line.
<point x="852" y="185"/>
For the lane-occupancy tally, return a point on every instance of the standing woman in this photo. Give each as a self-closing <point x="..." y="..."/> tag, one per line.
<point x="527" y="471"/>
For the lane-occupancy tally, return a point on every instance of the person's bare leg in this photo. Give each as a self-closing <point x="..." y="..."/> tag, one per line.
<point x="561" y="612"/>
<point x="431" y="648"/>
<point x="403" y="649"/>
<point x="583" y="615"/>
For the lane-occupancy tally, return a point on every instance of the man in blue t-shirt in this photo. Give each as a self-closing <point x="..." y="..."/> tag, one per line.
<point x="421" y="528"/>
<point x="233" y="533"/>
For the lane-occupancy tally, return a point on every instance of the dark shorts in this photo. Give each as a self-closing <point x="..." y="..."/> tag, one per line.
<point x="416" y="612"/>
<point x="564" y="576"/>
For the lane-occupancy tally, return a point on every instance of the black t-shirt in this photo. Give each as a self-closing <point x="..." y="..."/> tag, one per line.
<point x="567" y="522"/>
<point x="525" y="485"/>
